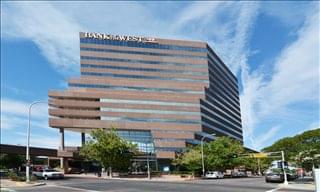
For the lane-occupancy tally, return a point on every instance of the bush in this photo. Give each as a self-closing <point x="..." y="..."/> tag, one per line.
<point x="16" y="177"/>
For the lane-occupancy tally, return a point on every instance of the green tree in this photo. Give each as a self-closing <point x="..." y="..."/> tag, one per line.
<point x="191" y="159"/>
<point x="11" y="160"/>
<point x="302" y="149"/>
<point x="109" y="149"/>
<point x="224" y="153"/>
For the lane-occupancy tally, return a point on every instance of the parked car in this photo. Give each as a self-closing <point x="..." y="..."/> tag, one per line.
<point x="274" y="177"/>
<point x="48" y="173"/>
<point x="214" y="175"/>
<point x="239" y="174"/>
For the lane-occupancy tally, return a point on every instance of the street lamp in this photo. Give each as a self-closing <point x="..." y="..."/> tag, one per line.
<point x="28" y="140"/>
<point x="203" y="137"/>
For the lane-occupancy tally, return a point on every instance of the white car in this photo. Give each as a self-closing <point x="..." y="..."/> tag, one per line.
<point x="49" y="173"/>
<point x="214" y="175"/>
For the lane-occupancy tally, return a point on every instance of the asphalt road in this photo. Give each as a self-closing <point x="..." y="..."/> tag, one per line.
<point x="95" y="185"/>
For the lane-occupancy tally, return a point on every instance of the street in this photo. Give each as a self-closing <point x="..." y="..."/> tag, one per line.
<point x="93" y="185"/>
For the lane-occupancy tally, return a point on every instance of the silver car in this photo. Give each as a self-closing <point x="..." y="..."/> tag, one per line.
<point x="214" y="175"/>
<point x="274" y="177"/>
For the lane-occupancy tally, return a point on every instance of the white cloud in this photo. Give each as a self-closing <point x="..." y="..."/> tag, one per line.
<point x="11" y="122"/>
<point x="14" y="124"/>
<point x="296" y="79"/>
<point x="21" y="108"/>
<point x="7" y="88"/>
<point x="37" y="140"/>
<point x="53" y="32"/>
<point x="198" y="10"/>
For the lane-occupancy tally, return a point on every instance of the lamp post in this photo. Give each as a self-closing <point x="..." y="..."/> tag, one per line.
<point x="28" y="140"/>
<point x="202" y="158"/>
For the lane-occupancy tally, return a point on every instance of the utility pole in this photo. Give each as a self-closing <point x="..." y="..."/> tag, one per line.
<point x="259" y="169"/>
<point x="202" y="156"/>
<point x="284" y="170"/>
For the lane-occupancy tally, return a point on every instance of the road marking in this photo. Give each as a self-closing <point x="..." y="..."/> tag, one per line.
<point x="74" y="188"/>
<point x="273" y="190"/>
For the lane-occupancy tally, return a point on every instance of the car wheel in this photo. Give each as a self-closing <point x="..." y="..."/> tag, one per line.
<point x="45" y="177"/>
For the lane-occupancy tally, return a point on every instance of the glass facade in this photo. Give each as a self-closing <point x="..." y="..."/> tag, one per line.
<point x="143" y="139"/>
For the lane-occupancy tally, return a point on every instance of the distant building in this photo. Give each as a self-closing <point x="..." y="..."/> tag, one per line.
<point x="160" y="94"/>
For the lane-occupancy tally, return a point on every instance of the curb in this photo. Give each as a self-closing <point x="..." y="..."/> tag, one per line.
<point x="39" y="184"/>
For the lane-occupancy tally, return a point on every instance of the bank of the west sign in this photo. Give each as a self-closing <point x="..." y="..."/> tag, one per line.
<point x="119" y="37"/>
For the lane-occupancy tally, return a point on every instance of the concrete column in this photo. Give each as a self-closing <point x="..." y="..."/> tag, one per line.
<point x="61" y="139"/>
<point x="61" y="146"/>
<point x="83" y="139"/>
<point x="65" y="165"/>
<point x="61" y="162"/>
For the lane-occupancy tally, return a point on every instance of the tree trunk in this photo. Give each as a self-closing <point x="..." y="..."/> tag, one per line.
<point x="110" y="172"/>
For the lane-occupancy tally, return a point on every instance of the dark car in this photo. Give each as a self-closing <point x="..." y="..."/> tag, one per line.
<point x="239" y="174"/>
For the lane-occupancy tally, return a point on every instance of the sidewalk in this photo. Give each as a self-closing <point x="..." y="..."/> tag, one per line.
<point x="305" y="183"/>
<point x="310" y="187"/>
<point x="7" y="183"/>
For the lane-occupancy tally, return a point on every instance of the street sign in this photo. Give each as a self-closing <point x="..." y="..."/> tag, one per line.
<point x="260" y="155"/>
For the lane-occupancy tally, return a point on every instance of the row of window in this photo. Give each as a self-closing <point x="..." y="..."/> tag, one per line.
<point x="209" y="127"/>
<point x="137" y="61"/>
<point x="150" y="111"/>
<point x="142" y="139"/>
<point x="150" y="120"/>
<point x="212" y="97"/>
<point x="221" y="112"/>
<point x="168" y="139"/>
<point x="218" y="90"/>
<point x="141" y="77"/>
<point x="142" y="53"/>
<point x="142" y="45"/>
<point x="220" y="120"/>
<point x="209" y="121"/>
<point x="173" y="149"/>
<point x="129" y="88"/>
<point x="217" y="76"/>
<point x="134" y="133"/>
<point x="145" y="102"/>
<point x="143" y="69"/>
<point x="215" y="59"/>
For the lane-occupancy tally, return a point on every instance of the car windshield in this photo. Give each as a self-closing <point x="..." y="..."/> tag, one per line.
<point x="50" y="170"/>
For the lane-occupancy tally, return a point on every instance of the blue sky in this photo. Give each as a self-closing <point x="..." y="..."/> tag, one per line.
<point x="272" y="47"/>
